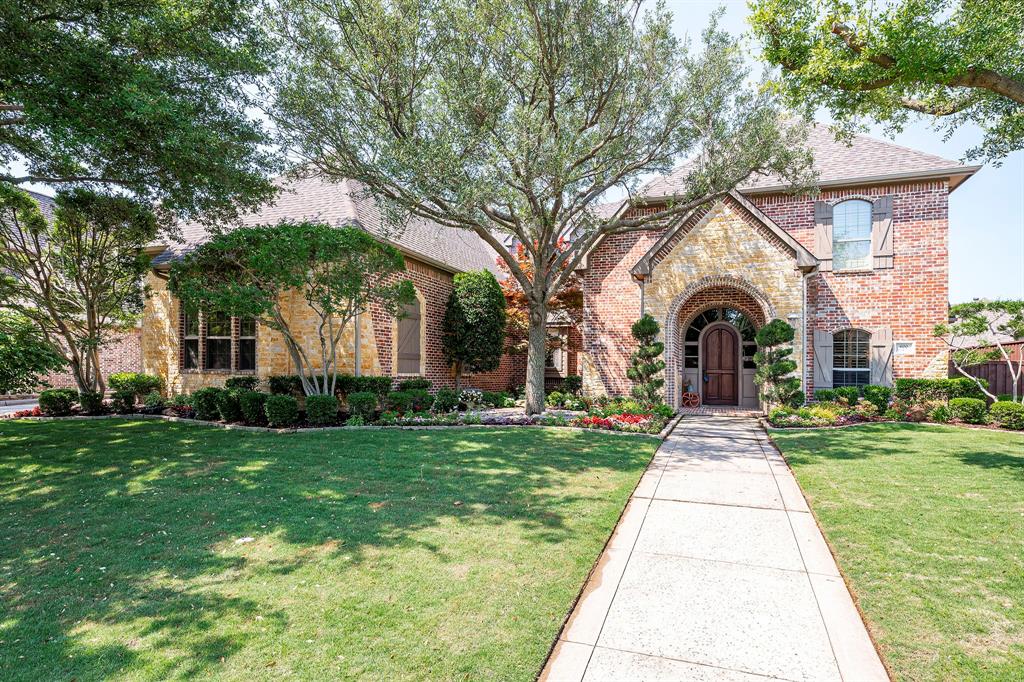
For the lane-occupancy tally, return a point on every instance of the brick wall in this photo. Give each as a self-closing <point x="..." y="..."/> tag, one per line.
<point x="122" y="354"/>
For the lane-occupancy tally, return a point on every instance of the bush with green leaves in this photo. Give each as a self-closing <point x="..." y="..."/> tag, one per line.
<point x="26" y="357"/>
<point x="282" y="411"/>
<point x="228" y="405"/>
<point x="242" y="383"/>
<point x="472" y="398"/>
<point x="91" y="402"/>
<point x="849" y="394"/>
<point x="205" y="403"/>
<point x="284" y="384"/>
<point x="923" y="390"/>
<point x="421" y="399"/>
<point x="252" y="404"/>
<point x="554" y="399"/>
<point x="362" y="404"/>
<point x="135" y="384"/>
<point x="153" y="400"/>
<point x="446" y="400"/>
<point x="473" y="329"/>
<point x="572" y="384"/>
<point x="321" y="410"/>
<point x="774" y="373"/>
<point x="879" y="396"/>
<point x="398" y="401"/>
<point x="57" y="402"/>
<point x="940" y="414"/>
<point x="1007" y="414"/>
<point x="355" y="420"/>
<point x="645" y="364"/>
<point x="415" y="383"/>
<point x="122" y="402"/>
<point x="379" y="386"/>
<point x="968" y="410"/>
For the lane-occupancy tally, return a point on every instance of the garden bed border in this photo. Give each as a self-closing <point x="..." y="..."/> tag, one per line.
<point x="767" y="426"/>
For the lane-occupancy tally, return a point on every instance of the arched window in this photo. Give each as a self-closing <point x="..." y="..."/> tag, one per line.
<point x="746" y="329"/>
<point x="851" y="235"/>
<point x="409" y="347"/>
<point x="850" y="358"/>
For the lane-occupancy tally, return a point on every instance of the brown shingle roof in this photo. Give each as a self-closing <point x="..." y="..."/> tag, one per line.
<point x="865" y="159"/>
<point x="347" y="203"/>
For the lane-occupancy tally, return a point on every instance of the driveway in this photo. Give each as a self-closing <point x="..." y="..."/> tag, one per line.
<point x="716" y="571"/>
<point x="12" y="406"/>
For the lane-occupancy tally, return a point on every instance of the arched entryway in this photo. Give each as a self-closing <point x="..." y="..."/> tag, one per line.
<point x="720" y="353"/>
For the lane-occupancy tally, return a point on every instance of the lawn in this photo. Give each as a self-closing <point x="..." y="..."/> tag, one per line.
<point x="152" y="550"/>
<point x="927" y="523"/>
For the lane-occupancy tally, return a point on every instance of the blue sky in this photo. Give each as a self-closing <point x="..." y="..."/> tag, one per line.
<point x="986" y="213"/>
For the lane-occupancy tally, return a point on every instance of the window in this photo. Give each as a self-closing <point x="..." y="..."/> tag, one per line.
<point x="851" y="235"/>
<point x="850" y="362"/>
<point x="556" y="355"/>
<point x="691" y="347"/>
<point x="218" y="342"/>
<point x="409" y="340"/>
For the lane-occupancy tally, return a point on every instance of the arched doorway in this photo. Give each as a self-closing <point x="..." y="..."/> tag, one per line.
<point x="720" y="354"/>
<point x="718" y="347"/>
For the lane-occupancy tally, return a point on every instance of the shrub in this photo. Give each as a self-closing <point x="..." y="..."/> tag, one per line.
<point x="122" y="402"/>
<point x="153" y="400"/>
<point x="572" y="384"/>
<point x="416" y="383"/>
<point x="922" y="390"/>
<point x="321" y="410"/>
<point x="228" y="405"/>
<point x="446" y="400"/>
<point x="645" y="364"/>
<point x="204" y="402"/>
<point x="91" y="402"/>
<point x="282" y="411"/>
<point x="879" y="396"/>
<point x="388" y="418"/>
<point x="663" y="410"/>
<point x="1007" y="414"/>
<point x="252" y="404"/>
<point x="968" y="410"/>
<point x="825" y="394"/>
<point x="1004" y="398"/>
<point x="493" y="399"/>
<point x="471" y="397"/>
<point x="796" y="399"/>
<point x="57" y="402"/>
<point x="356" y="420"/>
<point x="851" y="394"/>
<point x="284" y="384"/>
<point x="555" y="399"/>
<point x="939" y="414"/>
<point x="421" y="399"/>
<point x="774" y="374"/>
<point x="134" y="383"/>
<point x="362" y="404"/>
<point x="398" y="401"/>
<point x="865" y="409"/>
<point x="574" y="402"/>
<point x="246" y="383"/>
<point x="379" y="386"/>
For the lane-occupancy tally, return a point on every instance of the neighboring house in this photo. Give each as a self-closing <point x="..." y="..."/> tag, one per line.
<point x="191" y="351"/>
<point x="861" y="272"/>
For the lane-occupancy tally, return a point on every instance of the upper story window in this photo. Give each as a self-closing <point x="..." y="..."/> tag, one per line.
<point x="851" y="235"/>
<point x="218" y="342"/>
<point x="850" y="358"/>
<point x="409" y="347"/>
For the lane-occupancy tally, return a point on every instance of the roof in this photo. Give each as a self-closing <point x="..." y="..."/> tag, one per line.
<point x="864" y="160"/>
<point x="46" y="204"/>
<point x="349" y="203"/>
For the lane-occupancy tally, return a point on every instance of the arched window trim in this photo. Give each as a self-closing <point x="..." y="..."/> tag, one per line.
<point x="691" y="347"/>
<point x="843" y="241"/>
<point x="851" y="359"/>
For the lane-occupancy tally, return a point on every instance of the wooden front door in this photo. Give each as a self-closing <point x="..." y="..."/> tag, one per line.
<point x="720" y="366"/>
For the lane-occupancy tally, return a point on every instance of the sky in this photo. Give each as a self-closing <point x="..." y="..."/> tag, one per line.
<point x="986" y="213"/>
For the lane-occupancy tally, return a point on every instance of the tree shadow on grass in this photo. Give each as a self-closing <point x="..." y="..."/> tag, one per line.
<point x="133" y="526"/>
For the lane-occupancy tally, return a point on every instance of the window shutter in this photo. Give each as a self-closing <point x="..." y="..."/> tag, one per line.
<point x="822" y="359"/>
<point x="823" y="234"/>
<point x="881" y="356"/>
<point x="409" y="340"/>
<point x="881" y="232"/>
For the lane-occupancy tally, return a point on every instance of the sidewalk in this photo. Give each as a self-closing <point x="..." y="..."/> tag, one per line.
<point x="717" y="571"/>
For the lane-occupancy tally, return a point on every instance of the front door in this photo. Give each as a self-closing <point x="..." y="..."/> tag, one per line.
<point x="720" y="371"/>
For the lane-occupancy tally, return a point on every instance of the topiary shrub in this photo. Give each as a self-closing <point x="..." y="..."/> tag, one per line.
<point x="446" y="400"/>
<point x="879" y="396"/>
<point x="572" y="384"/>
<point x="321" y="410"/>
<point x="228" y="405"/>
<point x="415" y="384"/>
<point x="246" y="383"/>
<point x="362" y="404"/>
<point x="398" y="401"/>
<point x="252" y="404"/>
<point x="91" y="402"/>
<point x="968" y="410"/>
<point x="204" y="402"/>
<point x="645" y="364"/>
<point x="57" y="402"/>
<point x="1007" y="414"/>
<point x="282" y="411"/>
<point x="774" y="366"/>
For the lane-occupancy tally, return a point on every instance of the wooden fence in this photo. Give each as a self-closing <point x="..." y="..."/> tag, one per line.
<point x="997" y="374"/>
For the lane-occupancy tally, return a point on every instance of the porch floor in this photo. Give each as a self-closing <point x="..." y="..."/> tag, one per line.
<point x="722" y="410"/>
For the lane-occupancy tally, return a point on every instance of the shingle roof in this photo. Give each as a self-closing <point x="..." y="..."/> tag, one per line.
<point x="345" y="203"/>
<point x="866" y="158"/>
<point x="46" y="204"/>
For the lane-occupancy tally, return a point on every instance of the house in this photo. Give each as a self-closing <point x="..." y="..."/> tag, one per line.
<point x="192" y="351"/>
<point x="860" y="271"/>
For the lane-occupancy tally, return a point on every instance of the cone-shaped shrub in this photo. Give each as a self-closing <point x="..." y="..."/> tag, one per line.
<point x="646" y="363"/>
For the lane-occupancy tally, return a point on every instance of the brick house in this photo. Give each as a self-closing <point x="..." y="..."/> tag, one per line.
<point x="202" y="350"/>
<point x="861" y="272"/>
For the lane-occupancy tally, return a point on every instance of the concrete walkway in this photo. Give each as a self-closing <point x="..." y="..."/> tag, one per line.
<point x="717" y="571"/>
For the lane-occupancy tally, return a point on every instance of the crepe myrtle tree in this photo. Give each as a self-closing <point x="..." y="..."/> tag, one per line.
<point x="977" y="332"/>
<point x="338" y="271"/>
<point x="959" y="61"/>
<point x="515" y="118"/>
<point x="473" y="331"/>
<point x="25" y="355"/>
<point x="79" y="277"/>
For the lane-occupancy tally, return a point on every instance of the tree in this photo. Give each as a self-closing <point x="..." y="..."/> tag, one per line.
<point x="515" y="118"/>
<point x="339" y="272"/>
<point x="977" y="332"/>
<point x="25" y="356"/>
<point x="474" y="324"/>
<point x="148" y="96"/>
<point x="957" y="60"/>
<point x="645" y="364"/>
<point x="79" y="277"/>
<point x="774" y="373"/>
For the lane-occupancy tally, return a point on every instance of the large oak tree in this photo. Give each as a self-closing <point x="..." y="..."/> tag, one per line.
<point x="517" y="117"/>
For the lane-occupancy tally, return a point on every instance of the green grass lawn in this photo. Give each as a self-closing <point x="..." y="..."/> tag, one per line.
<point x="927" y="523"/>
<point x="380" y="554"/>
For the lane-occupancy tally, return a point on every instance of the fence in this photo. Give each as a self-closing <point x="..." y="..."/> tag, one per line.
<point x="997" y="373"/>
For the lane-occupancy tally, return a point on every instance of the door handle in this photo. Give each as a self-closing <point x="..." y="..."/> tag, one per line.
<point x="705" y="378"/>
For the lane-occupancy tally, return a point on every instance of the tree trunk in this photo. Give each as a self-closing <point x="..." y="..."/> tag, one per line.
<point x="535" y="359"/>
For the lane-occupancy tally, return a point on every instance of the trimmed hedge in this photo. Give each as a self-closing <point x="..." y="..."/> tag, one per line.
<point x="229" y="406"/>
<point x="284" y="384"/>
<point x="321" y="410"/>
<point x="924" y="390"/>
<point x="205" y="402"/>
<point x="57" y="402"/>
<point x="135" y="384"/>
<point x="1007" y="414"/>
<point x="421" y="399"/>
<point x="398" y="401"/>
<point x="244" y="383"/>
<point x="91" y="402"/>
<point x="414" y="384"/>
<point x="968" y="410"/>
<point x="878" y="396"/>
<point x="252" y="404"/>
<point x="282" y="411"/>
<point x="362" y="404"/>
